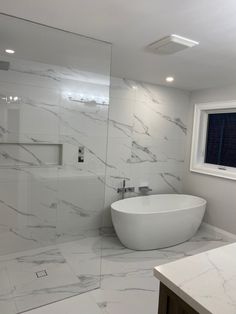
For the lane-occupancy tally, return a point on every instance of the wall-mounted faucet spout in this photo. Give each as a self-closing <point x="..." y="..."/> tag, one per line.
<point x="144" y="189"/>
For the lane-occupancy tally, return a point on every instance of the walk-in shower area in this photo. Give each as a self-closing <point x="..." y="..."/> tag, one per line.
<point x="54" y="101"/>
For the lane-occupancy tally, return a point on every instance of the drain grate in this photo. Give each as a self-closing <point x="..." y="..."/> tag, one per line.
<point x="41" y="273"/>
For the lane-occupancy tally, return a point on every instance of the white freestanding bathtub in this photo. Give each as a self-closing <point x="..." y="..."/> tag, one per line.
<point x="157" y="221"/>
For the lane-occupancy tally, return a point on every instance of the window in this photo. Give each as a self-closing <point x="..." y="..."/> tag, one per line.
<point x="214" y="140"/>
<point x="221" y="139"/>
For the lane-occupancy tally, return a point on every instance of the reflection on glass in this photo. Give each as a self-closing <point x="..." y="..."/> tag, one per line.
<point x="54" y="99"/>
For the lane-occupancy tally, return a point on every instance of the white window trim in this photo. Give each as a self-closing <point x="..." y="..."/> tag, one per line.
<point x="200" y="119"/>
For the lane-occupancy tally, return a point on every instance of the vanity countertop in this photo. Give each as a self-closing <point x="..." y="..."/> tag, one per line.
<point x="206" y="281"/>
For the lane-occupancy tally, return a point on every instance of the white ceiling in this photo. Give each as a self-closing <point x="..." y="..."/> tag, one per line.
<point x="40" y="44"/>
<point x="133" y="24"/>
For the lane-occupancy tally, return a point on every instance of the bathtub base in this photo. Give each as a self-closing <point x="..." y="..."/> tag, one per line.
<point x="148" y="244"/>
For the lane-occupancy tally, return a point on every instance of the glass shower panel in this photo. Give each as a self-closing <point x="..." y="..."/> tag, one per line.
<point x="54" y="101"/>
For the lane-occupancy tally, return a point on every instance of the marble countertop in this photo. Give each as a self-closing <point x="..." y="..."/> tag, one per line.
<point x="206" y="281"/>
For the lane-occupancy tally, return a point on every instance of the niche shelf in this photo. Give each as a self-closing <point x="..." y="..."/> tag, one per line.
<point x="30" y="154"/>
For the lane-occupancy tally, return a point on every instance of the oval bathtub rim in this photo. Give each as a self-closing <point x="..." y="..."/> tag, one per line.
<point x="203" y="203"/>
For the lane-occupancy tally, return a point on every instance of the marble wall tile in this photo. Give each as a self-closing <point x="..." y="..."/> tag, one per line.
<point x="28" y="204"/>
<point x="44" y="204"/>
<point x="81" y="118"/>
<point x="36" y="112"/>
<point x="29" y="155"/>
<point x="14" y="212"/>
<point x="159" y="121"/>
<point x="81" y="198"/>
<point x="94" y="155"/>
<point x="147" y="138"/>
<point x="158" y="94"/>
<point x="57" y="77"/>
<point x="121" y="117"/>
<point x="146" y="143"/>
<point x="41" y="204"/>
<point x="122" y="89"/>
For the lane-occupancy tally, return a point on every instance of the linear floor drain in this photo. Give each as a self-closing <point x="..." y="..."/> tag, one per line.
<point x="41" y="273"/>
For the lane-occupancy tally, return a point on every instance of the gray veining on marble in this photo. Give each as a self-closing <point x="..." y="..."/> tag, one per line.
<point x="16" y="210"/>
<point x="48" y="196"/>
<point x="79" y="210"/>
<point x="52" y="256"/>
<point x="7" y="156"/>
<point x="21" y="235"/>
<point x="40" y="162"/>
<point x="137" y="148"/>
<point x="3" y="131"/>
<point x="127" y="280"/>
<point x="42" y="207"/>
<point x="177" y="121"/>
<point x="131" y="287"/>
<point x="188" y="277"/>
<point x="165" y="176"/>
<point x="40" y="203"/>
<point x="124" y="128"/>
<point x="144" y="127"/>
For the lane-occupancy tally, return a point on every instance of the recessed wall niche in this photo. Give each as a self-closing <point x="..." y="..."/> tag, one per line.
<point x="30" y="154"/>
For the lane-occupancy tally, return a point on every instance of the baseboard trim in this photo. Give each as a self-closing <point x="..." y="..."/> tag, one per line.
<point x="228" y="236"/>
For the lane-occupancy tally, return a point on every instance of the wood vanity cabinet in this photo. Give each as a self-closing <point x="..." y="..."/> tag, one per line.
<point x="170" y="303"/>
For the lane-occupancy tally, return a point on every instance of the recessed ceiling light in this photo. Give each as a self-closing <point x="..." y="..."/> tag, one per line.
<point x="134" y="87"/>
<point x="9" y="51"/>
<point x="170" y="79"/>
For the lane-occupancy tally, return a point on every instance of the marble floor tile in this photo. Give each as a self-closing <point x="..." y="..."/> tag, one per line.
<point x="30" y="291"/>
<point x="125" y="277"/>
<point x="84" y="258"/>
<point x="126" y="302"/>
<point x="83" y="304"/>
<point x="7" y="304"/>
<point x="71" y="268"/>
<point x="8" y="307"/>
<point x="128" y="285"/>
<point x="123" y="269"/>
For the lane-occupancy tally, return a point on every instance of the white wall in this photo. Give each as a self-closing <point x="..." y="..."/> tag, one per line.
<point x="220" y="193"/>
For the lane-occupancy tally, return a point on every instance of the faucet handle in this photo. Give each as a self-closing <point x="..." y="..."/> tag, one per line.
<point x="122" y="189"/>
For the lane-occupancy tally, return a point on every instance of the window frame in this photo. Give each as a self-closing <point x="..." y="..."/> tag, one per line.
<point x="199" y="137"/>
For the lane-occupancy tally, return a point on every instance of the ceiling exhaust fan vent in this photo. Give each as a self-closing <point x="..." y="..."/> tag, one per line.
<point x="171" y="44"/>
